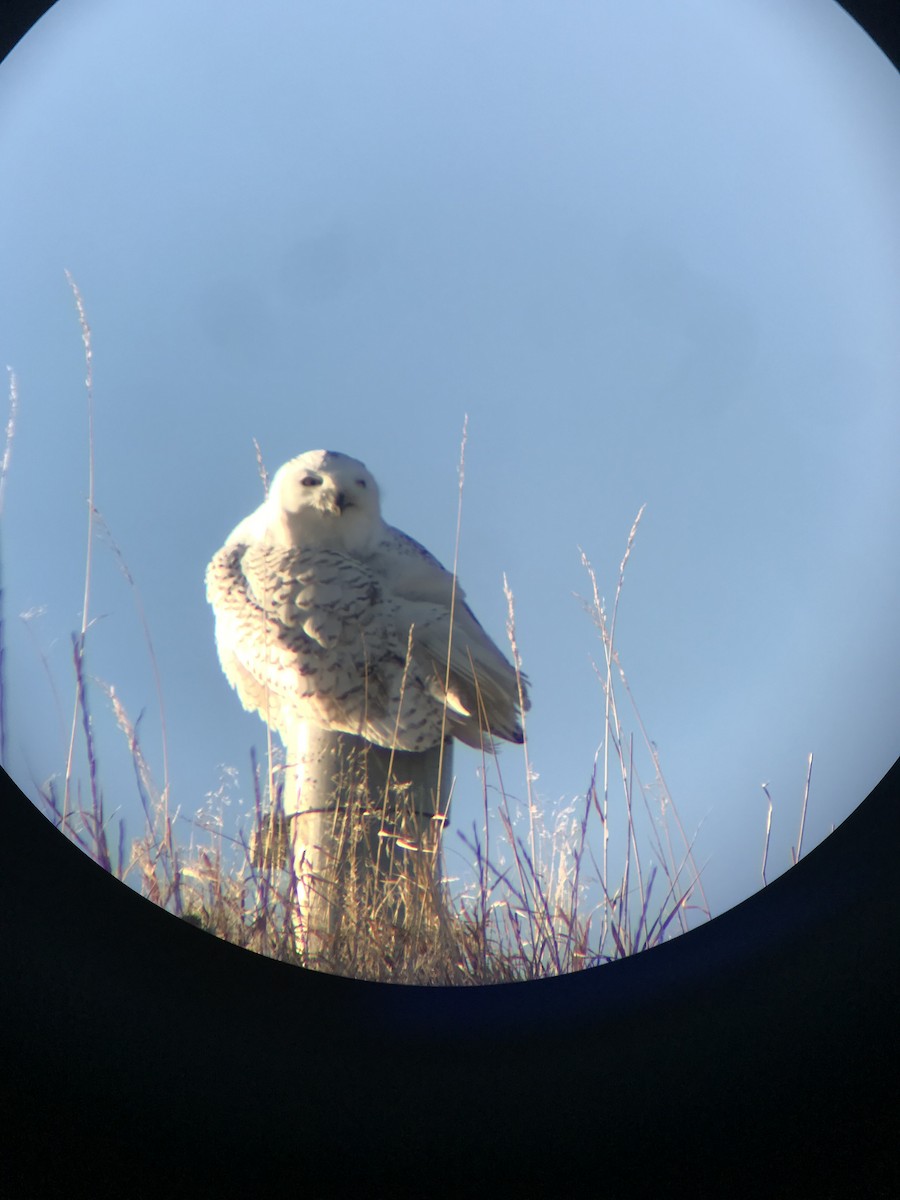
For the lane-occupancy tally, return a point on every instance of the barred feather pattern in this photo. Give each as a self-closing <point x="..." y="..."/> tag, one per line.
<point x="327" y="615"/>
<point x="310" y="635"/>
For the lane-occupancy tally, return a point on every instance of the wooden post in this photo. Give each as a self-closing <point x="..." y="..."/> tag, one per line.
<point x="365" y="826"/>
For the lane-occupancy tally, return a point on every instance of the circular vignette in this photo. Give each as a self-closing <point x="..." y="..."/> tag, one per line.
<point x="754" y="1053"/>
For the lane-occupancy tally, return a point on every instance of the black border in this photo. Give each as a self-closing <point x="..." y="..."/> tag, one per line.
<point x="755" y="1056"/>
<point x="760" y="1049"/>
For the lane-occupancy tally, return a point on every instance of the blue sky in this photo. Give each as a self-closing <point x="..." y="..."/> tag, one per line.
<point x="651" y="251"/>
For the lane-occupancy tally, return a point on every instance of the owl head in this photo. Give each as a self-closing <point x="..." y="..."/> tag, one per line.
<point x="324" y="498"/>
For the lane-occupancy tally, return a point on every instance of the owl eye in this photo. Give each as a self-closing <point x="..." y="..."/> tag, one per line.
<point x="361" y="482"/>
<point x="310" y="481"/>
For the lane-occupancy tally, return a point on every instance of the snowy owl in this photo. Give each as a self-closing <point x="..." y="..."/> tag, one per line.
<point x="327" y="615"/>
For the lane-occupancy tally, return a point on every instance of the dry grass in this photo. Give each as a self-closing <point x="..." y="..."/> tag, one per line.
<point x="540" y="895"/>
<point x="537" y="901"/>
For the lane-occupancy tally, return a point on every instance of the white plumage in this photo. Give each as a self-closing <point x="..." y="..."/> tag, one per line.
<point x="314" y="598"/>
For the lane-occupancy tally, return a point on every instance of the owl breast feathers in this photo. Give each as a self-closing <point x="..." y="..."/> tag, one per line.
<point x="325" y="614"/>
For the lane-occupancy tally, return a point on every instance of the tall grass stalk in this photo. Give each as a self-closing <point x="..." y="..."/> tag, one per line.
<point x="4" y="472"/>
<point x="768" y="835"/>
<point x="795" y="855"/>
<point x="88" y="561"/>
<point x="263" y="473"/>
<point x="461" y="472"/>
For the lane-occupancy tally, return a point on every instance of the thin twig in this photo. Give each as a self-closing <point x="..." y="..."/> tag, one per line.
<point x="98" y="831"/>
<point x="803" y="810"/>
<point x="517" y="663"/>
<point x="261" y="467"/>
<point x="4" y="471"/>
<point x="765" y="858"/>
<point x="453" y="589"/>
<point x="89" y="385"/>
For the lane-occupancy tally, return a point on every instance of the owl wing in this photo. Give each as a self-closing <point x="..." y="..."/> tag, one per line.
<point x="308" y="635"/>
<point x="482" y="686"/>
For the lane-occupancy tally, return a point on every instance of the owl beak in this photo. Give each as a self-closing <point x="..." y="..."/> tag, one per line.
<point x="341" y="502"/>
